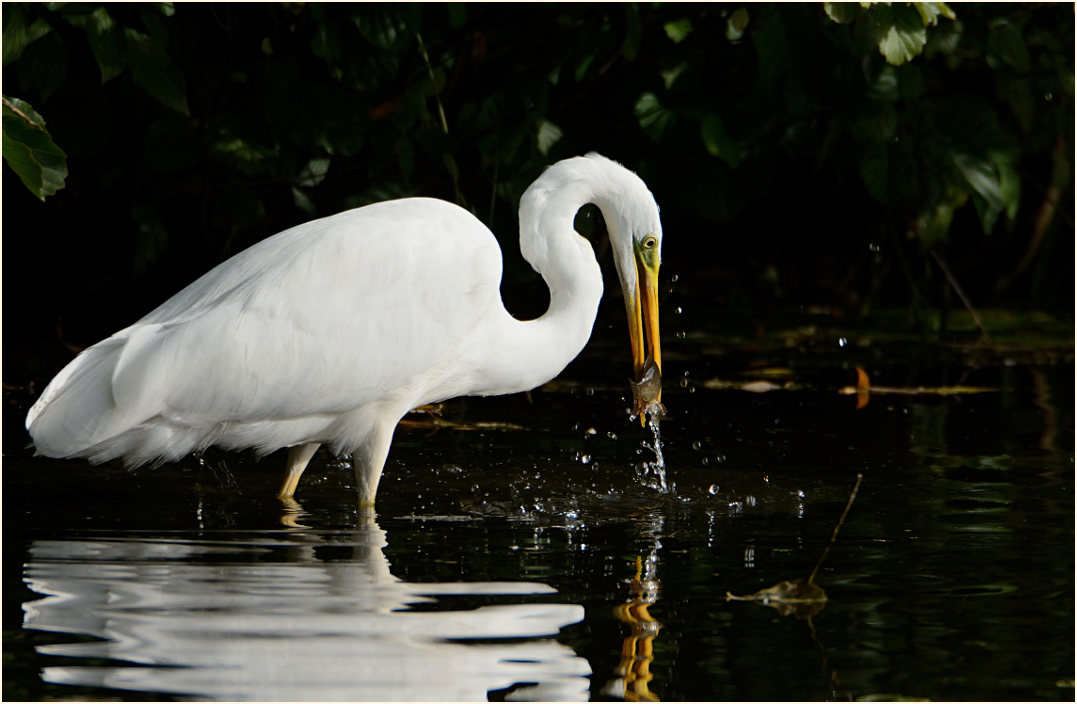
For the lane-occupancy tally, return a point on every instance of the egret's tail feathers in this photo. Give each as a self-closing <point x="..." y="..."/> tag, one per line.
<point x="78" y="415"/>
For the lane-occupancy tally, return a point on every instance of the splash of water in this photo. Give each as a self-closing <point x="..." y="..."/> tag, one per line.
<point x="654" y="473"/>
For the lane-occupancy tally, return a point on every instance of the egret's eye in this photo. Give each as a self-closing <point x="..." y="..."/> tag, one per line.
<point x="649" y="242"/>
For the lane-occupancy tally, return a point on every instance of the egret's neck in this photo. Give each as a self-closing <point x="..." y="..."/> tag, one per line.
<point x="566" y="261"/>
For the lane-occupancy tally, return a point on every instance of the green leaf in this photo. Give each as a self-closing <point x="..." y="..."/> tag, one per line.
<point x="981" y="176"/>
<point x="1005" y="42"/>
<point x="717" y="141"/>
<point x="303" y="202"/>
<point x="153" y="70"/>
<point x="548" y="135"/>
<point x="1010" y="186"/>
<point x="841" y="12"/>
<point x="314" y="172"/>
<point x="106" y="41"/>
<point x="250" y="159"/>
<point x="678" y="30"/>
<point x="19" y="31"/>
<point x="16" y="31"/>
<point x="898" y="31"/>
<point x="930" y="12"/>
<point x="653" y="117"/>
<point x="670" y="75"/>
<point x="581" y="68"/>
<point x="29" y="150"/>
<point x="736" y="24"/>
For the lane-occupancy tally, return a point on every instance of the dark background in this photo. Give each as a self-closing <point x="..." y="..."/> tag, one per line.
<point x="794" y="166"/>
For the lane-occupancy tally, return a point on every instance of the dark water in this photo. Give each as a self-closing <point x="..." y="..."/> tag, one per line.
<point x="502" y="563"/>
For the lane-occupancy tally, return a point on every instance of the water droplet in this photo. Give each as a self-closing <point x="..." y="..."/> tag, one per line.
<point x="590" y="431"/>
<point x="678" y="310"/>
<point x="611" y="435"/>
<point x="679" y="335"/>
<point x="673" y="279"/>
<point x="712" y="489"/>
<point x="696" y="445"/>
<point x="842" y="342"/>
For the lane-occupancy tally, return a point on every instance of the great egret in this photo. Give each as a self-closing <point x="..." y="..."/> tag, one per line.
<point x="329" y="332"/>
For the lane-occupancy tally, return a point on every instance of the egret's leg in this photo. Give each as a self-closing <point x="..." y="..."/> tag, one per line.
<point x="298" y="457"/>
<point x="369" y="461"/>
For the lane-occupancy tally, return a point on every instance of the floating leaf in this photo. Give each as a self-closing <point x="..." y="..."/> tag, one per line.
<point x="799" y="599"/>
<point x="863" y="383"/>
<point x="756" y="386"/>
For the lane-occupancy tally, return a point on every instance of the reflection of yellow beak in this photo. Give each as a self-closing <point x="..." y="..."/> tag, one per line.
<point x="642" y="308"/>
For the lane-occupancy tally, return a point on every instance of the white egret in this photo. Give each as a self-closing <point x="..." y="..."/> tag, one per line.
<point x="329" y="332"/>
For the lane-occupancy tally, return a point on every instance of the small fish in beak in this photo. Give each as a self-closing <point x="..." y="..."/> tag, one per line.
<point x="647" y="392"/>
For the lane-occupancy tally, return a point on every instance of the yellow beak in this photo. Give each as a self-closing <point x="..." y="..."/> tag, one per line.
<point x="642" y="308"/>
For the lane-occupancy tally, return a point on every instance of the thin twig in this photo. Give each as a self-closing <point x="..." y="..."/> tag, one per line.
<point x="834" y="535"/>
<point x="960" y="293"/>
<point x="450" y="162"/>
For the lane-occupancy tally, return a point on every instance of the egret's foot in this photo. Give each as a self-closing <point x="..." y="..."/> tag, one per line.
<point x="288" y="486"/>
<point x="290" y="513"/>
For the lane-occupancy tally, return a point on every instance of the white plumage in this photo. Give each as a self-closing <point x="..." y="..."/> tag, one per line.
<point x="328" y="333"/>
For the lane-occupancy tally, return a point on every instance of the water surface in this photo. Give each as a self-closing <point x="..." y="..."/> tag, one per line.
<point x="540" y="563"/>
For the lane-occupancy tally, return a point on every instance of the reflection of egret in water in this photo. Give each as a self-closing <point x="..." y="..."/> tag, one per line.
<point x="265" y="619"/>
<point x="637" y="650"/>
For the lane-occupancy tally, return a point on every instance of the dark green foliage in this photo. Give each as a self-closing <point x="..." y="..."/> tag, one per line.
<point x="800" y="152"/>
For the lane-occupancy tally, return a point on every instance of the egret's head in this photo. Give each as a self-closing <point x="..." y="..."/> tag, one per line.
<point x="635" y="230"/>
<point x="631" y="215"/>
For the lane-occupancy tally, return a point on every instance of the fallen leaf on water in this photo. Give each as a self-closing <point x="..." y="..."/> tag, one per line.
<point x="757" y="386"/>
<point x="863" y="383"/>
<point x="800" y="599"/>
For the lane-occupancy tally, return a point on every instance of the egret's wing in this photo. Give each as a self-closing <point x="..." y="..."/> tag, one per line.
<point x="368" y="306"/>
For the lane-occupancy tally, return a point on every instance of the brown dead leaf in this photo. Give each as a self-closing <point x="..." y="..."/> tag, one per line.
<point x="799" y="599"/>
